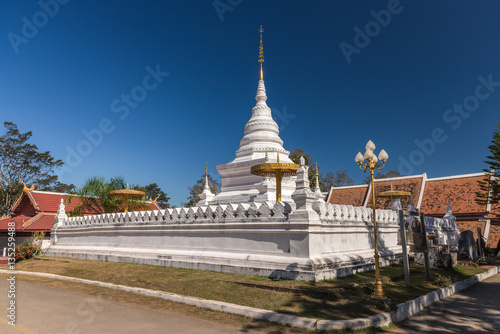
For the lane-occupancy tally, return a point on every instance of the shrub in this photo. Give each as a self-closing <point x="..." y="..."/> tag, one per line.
<point x="26" y="251"/>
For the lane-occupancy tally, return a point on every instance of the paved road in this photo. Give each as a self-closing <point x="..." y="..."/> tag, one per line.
<point x="474" y="310"/>
<point x="44" y="310"/>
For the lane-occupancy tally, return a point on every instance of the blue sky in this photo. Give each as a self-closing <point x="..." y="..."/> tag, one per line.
<point x="419" y="78"/>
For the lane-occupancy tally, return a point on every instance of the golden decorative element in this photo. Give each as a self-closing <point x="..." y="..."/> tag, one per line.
<point x="394" y="193"/>
<point x="25" y="188"/>
<point x="206" y="169"/>
<point x="261" y="54"/>
<point x="261" y="48"/>
<point x="127" y="193"/>
<point x="317" y="168"/>
<point x="278" y="157"/>
<point x="277" y="170"/>
<point x="267" y="158"/>
<point x="154" y="201"/>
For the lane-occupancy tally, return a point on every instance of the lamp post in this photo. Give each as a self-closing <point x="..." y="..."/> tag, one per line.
<point x="372" y="163"/>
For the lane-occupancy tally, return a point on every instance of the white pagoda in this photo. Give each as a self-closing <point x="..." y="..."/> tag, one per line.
<point x="246" y="228"/>
<point x="261" y="138"/>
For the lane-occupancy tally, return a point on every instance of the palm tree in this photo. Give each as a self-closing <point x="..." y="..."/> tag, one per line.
<point x="94" y="197"/>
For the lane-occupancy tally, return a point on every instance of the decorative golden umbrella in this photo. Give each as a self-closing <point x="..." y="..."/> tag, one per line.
<point x="127" y="193"/>
<point x="394" y="193"/>
<point x="277" y="170"/>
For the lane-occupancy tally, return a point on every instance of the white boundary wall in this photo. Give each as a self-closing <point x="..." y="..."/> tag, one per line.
<point x="267" y="239"/>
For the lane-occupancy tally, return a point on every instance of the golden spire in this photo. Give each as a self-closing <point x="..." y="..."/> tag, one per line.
<point x="206" y="169"/>
<point x="317" y="168"/>
<point x="261" y="53"/>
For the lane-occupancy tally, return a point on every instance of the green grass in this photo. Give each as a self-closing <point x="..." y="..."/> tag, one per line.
<point x="344" y="298"/>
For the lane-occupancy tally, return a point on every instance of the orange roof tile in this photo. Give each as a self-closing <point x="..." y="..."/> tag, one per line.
<point x="411" y="184"/>
<point x="460" y="191"/>
<point x="351" y="195"/>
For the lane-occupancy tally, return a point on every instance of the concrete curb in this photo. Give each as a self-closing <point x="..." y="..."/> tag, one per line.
<point x="404" y="310"/>
<point x="412" y="307"/>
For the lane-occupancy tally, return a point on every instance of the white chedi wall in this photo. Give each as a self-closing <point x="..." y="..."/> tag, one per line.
<point x="261" y="135"/>
<point x="306" y="239"/>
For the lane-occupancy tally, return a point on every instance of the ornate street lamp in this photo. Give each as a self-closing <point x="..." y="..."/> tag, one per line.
<point x="372" y="163"/>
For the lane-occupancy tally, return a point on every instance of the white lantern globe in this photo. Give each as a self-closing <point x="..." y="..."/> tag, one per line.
<point x="383" y="156"/>
<point x="368" y="154"/>
<point x="359" y="158"/>
<point x="370" y="146"/>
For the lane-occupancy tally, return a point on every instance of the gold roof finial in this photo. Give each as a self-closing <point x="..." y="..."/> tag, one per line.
<point x="206" y="169"/>
<point x="154" y="201"/>
<point x="317" y="170"/>
<point x="25" y="187"/>
<point x="261" y="53"/>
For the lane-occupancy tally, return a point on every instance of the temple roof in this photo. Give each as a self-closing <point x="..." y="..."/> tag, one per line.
<point x="35" y="210"/>
<point x="430" y="195"/>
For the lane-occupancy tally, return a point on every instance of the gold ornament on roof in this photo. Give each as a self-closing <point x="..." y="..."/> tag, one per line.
<point x="154" y="201"/>
<point x="25" y="188"/>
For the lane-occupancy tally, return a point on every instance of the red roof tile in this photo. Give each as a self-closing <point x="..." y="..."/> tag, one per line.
<point x="18" y="220"/>
<point x="49" y="202"/>
<point x="40" y="222"/>
<point x="45" y="201"/>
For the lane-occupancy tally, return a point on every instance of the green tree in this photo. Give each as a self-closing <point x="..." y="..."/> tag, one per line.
<point x="197" y="189"/>
<point x="338" y="179"/>
<point x="154" y="192"/>
<point x="490" y="187"/>
<point x="21" y="160"/>
<point x="94" y="197"/>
